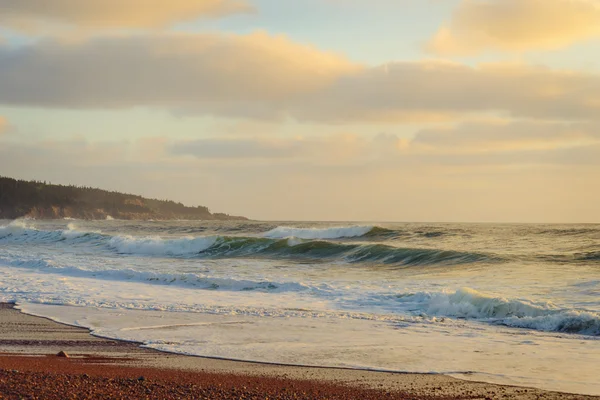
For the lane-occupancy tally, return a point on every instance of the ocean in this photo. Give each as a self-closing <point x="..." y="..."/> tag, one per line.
<point x="509" y="304"/>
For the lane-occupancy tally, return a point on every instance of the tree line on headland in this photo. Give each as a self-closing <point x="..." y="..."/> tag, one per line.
<point x="19" y="198"/>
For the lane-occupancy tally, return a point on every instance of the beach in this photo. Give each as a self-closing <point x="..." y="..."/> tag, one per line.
<point x="103" y="368"/>
<point x="319" y="199"/>
<point x="437" y="305"/>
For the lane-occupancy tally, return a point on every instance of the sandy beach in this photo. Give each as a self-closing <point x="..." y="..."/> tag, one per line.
<point x="102" y="368"/>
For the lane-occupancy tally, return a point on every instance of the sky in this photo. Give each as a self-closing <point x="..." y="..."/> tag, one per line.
<point x="334" y="110"/>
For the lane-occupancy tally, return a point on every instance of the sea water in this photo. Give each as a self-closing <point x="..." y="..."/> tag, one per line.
<point x="512" y="304"/>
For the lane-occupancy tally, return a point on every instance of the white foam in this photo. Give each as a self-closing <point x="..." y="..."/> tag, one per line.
<point x="191" y="280"/>
<point x="23" y="231"/>
<point x="521" y="313"/>
<point x="582" y="322"/>
<point x="161" y="247"/>
<point x="282" y="232"/>
<point x="72" y="232"/>
<point x="15" y="227"/>
<point x="469" y="303"/>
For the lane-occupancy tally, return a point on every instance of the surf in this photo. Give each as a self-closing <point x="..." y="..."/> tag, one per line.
<point x="275" y="244"/>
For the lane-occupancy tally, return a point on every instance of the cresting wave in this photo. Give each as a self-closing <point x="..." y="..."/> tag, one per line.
<point x="282" y="232"/>
<point x="471" y="304"/>
<point x="292" y="249"/>
<point x="351" y="232"/>
<point x="156" y="246"/>
<point x="282" y="242"/>
<point x="232" y="246"/>
<point x="22" y="229"/>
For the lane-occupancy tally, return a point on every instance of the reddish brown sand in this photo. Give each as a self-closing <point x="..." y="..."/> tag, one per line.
<point x="54" y="378"/>
<point x="106" y="369"/>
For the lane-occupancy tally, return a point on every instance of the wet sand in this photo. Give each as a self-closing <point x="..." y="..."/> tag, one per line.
<point x="102" y="368"/>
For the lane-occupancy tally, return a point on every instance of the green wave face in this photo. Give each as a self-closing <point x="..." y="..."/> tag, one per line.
<point x="228" y="247"/>
<point x="289" y="248"/>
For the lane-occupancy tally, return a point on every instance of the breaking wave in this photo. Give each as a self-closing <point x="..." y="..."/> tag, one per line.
<point x="306" y="246"/>
<point x="319" y="249"/>
<point x="317" y="233"/>
<point x="352" y="232"/>
<point x="20" y="231"/>
<point x="284" y="242"/>
<point x="157" y="246"/>
<point x="471" y="304"/>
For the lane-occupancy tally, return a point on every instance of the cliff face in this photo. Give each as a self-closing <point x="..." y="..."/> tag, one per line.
<point x="45" y="201"/>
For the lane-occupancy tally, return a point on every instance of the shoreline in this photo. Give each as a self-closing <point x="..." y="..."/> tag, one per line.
<point x="30" y="344"/>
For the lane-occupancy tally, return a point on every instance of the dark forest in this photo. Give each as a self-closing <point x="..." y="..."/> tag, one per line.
<point x="41" y="200"/>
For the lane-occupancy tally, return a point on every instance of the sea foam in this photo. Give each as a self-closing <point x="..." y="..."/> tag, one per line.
<point x="161" y="247"/>
<point x="188" y="280"/>
<point x="520" y="313"/>
<point x="317" y="233"/>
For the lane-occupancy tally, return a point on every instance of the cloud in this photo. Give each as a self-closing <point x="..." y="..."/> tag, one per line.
<point x="477" y="144"/>
<point x="506" y="136"/>
<point x="38" y="15"/>
<point x="393" y="91"/>
<point x="261" y="76"/>
<point x="516" y="25"/>
<point x="210" y="73"/>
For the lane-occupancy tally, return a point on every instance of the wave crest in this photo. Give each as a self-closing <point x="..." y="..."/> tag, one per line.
<point x="471" y="304"/>
<point x="282" y="232"/>
<point x="22" y="231"/>
<point x="292" y="248"/>
<point x="157" y="246"/>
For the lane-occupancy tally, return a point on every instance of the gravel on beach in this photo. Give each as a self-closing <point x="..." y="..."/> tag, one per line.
<point x="51" y="378"/>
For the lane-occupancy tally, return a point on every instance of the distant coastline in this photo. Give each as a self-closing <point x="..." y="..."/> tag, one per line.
<point x="40" y="200"/>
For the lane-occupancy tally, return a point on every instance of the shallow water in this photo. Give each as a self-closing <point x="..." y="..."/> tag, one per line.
<point x="516" y="304"/>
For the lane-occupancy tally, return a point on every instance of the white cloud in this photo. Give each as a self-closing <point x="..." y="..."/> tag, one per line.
<point x="209" y="73"/>
<point x="41" y="15"/>
<point x="263" y="76"/>
<point x="517" y="25"/>
<point x="443" y="89"/>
